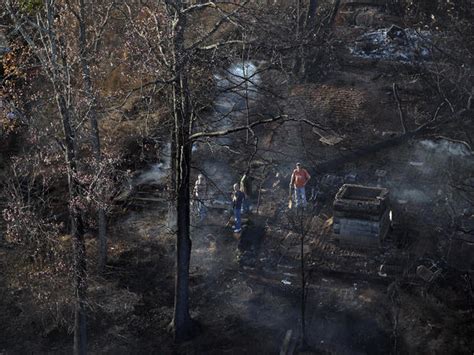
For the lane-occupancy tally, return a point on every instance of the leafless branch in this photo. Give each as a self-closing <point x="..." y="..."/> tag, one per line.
<point x="220" y="44"/>
<point x="400" y="111"/>
<point x="216" y="27"/>
<point x="196" y="7"/>
<point x="236" y="129"/>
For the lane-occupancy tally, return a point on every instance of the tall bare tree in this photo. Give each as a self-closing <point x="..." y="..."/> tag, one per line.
<point x="178" y="52"/>
<point x="43" y="34"/>
<point x="87" y="48"/>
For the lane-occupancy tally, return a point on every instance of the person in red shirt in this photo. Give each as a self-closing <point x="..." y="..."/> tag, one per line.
<point x="299" y="179"/>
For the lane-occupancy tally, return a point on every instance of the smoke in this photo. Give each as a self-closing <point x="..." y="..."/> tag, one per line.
<point x="421" y="174"/>
<point x="240" y="78"/>
<point x="413" y="195"/>
<point x="402" y="45"/>
<point x="446" y="148"/>
<point x="236" y="85"/>
<point x="158" y="171"/>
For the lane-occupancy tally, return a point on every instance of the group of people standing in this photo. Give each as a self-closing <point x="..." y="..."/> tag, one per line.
<point x="242" y="194"/>
<point x="241" y="197"/>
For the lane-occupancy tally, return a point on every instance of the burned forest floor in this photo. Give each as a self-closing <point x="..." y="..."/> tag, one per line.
<point x="245" y="289"/>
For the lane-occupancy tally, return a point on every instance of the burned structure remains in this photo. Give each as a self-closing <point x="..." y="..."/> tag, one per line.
<point x="361" y="215"/>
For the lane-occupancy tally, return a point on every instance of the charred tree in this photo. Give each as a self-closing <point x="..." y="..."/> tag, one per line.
<point x="300" y="220"/>
<point x="182" y="324"/>
<point x="178" y="55"/>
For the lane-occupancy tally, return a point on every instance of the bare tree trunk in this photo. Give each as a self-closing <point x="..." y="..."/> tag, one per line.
<point x="299" y="30"/>
<point x="309" y="27"/>
<point x="182" y="323"/>
<point x="171" y="217"/>
<point x="80" y="285"/>
<point x="311" y="15"/>
<point x="95" y="135"/>
<point x="77" y="233"/>
<point x="400" y="110"/>
<point x="59" y="77"/>
<point x="303" y="291"/>
<point x="303" y="280"/>
<point x="102" y="239"/>
<point x="305" y="25"/>
<point x="335" y="10"/>
<point x="300" y="222"/>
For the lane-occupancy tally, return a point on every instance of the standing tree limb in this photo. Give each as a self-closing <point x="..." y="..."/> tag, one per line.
<point x="400" y="111"/>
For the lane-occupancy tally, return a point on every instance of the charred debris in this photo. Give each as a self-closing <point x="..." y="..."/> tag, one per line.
<point x="373" y="97"/>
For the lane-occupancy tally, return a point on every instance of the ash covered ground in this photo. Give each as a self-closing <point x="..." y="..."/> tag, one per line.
<point x="246" y="289"/>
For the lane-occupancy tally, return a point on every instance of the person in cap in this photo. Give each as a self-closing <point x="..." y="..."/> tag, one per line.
<point x="299" y="179"/>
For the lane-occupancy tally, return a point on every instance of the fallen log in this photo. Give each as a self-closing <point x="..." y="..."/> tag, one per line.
<point x="335" y="164"/>
<point x="359" y="153"/>
<point x="348" y="276"/>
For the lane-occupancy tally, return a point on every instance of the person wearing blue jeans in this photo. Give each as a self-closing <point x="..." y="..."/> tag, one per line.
<point x="299" y="179"/>
<point x="237" y="199"/>
<point x="300" y="196"/>
<point x="202" y="211"/>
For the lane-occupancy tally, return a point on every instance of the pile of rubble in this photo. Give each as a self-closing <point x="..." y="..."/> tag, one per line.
<point x="394" y="43"/>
